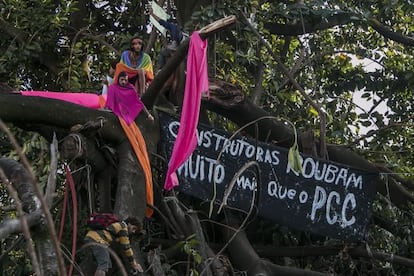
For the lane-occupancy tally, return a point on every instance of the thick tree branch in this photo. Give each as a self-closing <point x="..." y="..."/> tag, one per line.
<point x="46" y="58"/>
<point x="338" y="19"/>
<point x="308" y="27"/>
<point x="245" y="258"/>
<point x="24" y="109"/>
<point x="388" y="33"/>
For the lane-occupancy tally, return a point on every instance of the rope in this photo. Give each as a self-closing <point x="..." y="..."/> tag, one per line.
<point x="88" y="173"/>
<point x="89" y="189"/>
<point x="70" y="185"/>
<point x="69" y="179"/>
<point x="65" y="203"/>
<point x="78" y="139"/>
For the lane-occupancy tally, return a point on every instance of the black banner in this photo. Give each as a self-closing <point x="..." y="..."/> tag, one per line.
<point x="327" y="198"/>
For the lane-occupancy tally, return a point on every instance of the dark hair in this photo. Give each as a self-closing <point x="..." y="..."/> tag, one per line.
<point x="142" y="45"/>
<point x="133" y="221"/>
<point x="120" y="75"/>
<point x="114" y="63"/>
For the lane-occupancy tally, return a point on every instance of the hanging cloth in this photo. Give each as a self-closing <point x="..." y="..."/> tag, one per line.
<point x="196" y="83"/>
<point x="84" y="99"/>
<point x="124" y="102"/>
<point x="138" y="145"/>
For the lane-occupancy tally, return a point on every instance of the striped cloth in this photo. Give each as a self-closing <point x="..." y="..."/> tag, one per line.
<point x="144" y="62"/>
<point x="117" y="232"/>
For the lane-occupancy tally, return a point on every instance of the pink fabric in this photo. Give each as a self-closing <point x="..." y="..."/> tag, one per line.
<point x="124" y="102"/>
<point x="196" y="83"/>
<point x="85" y="99"/>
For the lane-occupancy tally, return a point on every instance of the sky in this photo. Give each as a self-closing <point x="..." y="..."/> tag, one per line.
<point x="365" y="104"/>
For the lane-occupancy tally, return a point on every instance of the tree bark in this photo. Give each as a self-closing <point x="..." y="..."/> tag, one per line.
<point x="188" y="224"/>
<point x="75" y="146"/>
<point x="245" y="258"/>
<point x="154" y="261"/>
<point x="22" y="182"/>
<point x="20" y="109"/>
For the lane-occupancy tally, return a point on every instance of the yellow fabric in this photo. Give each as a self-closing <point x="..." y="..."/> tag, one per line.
<point x="117" y="231"/>
<point x="138" y="144"/>
<point x="101" y="236"/>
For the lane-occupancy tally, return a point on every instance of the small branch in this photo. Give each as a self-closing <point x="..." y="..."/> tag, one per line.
<point x="408" y="183"/>
<point x="45" y="209"/>
<point x="338" y="19"/>
<point x="12" y="226"/>
<point x="155" y="262"/>
<point x="391" y="125"/>
<point x="300" y="29"/>
<point x="51" y="181"/>
<point x="254" y="202"/>
<point x="8" y="208"/>
<point x="16" y="242"/>
<point x="98" y="38"/>
<point x="23" y="221"/>
<point x="285" y="71"/>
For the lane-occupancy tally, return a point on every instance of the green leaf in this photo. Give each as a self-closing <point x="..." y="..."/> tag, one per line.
<point x="197" y="258"/>
<point x="294" y="159"/>
<point x="313" y="111"/>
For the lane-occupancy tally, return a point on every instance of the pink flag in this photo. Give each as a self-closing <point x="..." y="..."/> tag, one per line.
<point x="196" y="83"/>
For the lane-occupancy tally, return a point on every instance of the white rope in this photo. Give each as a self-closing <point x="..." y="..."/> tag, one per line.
<point x="78" y="139"/>
<point x="88" y="184"/>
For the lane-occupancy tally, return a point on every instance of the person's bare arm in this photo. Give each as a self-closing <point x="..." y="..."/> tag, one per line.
<point x="149" y="115"/>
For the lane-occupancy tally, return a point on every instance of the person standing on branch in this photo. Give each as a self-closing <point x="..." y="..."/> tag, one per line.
<point x="176" y="36"/>
<point x="137" y="64"/>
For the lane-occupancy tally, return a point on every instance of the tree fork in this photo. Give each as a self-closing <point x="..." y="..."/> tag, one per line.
<point x="150" y="96"/>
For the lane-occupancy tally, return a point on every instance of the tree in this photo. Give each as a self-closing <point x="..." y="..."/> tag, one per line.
<point x="305" y="63"/>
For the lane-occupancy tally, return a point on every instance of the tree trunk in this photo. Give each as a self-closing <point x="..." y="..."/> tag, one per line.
<point x="131" y="181"/>
<point x="75" y="146"/>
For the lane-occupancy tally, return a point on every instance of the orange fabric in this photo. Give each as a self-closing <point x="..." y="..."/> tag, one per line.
<point x="101" y="101"/>
<point x="138" y="145"/>
<point x="131" y="72"/>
